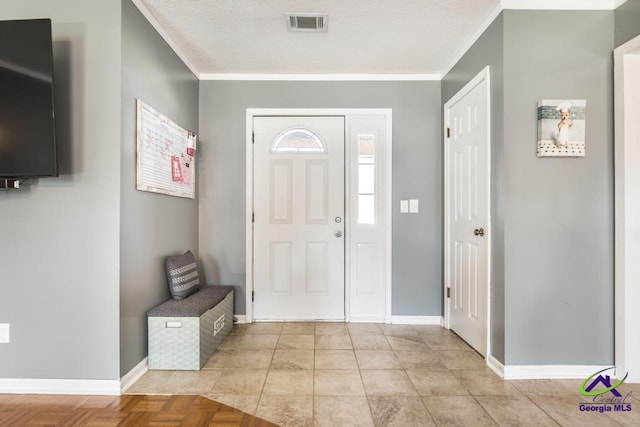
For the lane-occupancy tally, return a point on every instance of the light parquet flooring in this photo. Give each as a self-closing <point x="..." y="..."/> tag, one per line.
<point x="130" y="410"/>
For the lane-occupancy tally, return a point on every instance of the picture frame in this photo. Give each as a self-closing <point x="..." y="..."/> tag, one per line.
<point x="561" y="127"/>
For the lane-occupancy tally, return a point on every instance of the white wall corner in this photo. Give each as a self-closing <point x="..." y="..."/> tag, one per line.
<point x="553" y="372"/>
<point x="472" y="39"/>
<point x="417" y="320"/>
<point x="134" y="374"/>
<point x="496" y="366"/>
<point x="59" y="386"/>
<point x="165" y="36"/>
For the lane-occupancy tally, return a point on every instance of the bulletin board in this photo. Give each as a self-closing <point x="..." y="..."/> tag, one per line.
<point x="166" y="155"/>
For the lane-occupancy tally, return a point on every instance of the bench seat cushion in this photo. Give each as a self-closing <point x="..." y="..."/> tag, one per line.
<point x="194" y="305"/>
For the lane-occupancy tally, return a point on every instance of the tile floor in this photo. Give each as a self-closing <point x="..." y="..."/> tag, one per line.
<point x="337" y="374"/>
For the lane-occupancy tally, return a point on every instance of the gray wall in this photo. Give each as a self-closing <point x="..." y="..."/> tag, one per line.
<point x="152" y="225"/>
<point x="627" y="18"/>
<point x="558" y="212"/>
<point x="488" y="50"/>
<point x="60" y="237"/>
<point x="417" y="173"/>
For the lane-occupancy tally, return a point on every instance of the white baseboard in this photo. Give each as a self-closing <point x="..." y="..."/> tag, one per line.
<point x="417" y="320"/>
<point x="496" y="366"/>
<point x="398" y="320"/>
<point x="59" y="386"/>
<point x="366" y="320"/>
<point x="134" y="375"/>
<point x="241" y="318"/>
<point x="556" y="372"/>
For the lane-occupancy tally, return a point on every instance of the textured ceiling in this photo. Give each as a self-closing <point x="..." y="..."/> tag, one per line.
<point x="364" y="37"/>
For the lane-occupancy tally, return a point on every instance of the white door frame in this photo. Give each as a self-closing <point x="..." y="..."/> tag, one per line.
<point x="482" y="75"/>
<point x="346" y="112"/>
<point x="627" y="209"/>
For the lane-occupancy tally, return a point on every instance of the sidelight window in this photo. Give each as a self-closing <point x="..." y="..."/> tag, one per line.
<point x="366" y="179"/>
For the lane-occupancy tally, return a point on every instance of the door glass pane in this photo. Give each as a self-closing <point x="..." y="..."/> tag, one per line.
<point x="366" y="148"/>
<point x="298" y="140"/>
<point x="366" y="209"/>
<point x="366" y="179"/>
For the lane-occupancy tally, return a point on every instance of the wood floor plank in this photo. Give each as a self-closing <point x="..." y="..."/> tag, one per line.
<point x="104" y="419"/>
<point x="99" y="402"/>
<point x="11" y="418"/>
<point x="197" y="419"/>
<point x="136" y="419"/>
<point x="79" y="416"/>
<point x="179" y="404"/>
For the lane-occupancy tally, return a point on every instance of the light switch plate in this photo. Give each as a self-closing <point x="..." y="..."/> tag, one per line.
<point x="4" y="333"/>
<point x="404" y="206"/>
<point x="413" y="205"/>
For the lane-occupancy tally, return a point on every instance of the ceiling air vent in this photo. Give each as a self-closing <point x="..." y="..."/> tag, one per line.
<point x="314" y="22"/>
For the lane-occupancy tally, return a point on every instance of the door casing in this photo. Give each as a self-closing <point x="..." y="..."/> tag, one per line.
<point x="627" y="206"/>
<point x="346" y="112"/>
<point x="482" y="75"/>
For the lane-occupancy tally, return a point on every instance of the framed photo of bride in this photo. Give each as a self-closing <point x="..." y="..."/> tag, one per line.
<point x="561" y="127"/>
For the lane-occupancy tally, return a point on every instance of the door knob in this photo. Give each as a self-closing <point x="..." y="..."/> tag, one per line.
<point x="478" y="232"/>
<point x="338" y="233"/>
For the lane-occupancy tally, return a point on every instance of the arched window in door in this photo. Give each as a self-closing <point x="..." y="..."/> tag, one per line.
<point x="298" y="140"/>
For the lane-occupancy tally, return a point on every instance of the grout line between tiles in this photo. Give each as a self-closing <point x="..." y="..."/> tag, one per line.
<point x="483" y="408"/>
<point x="540" y="407"/>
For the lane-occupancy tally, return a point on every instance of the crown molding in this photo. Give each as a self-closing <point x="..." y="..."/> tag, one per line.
<point x="562" y="5"/>
<point x="322" y="77"/>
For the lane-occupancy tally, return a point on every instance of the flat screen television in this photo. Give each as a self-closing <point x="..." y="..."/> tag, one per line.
<point x="27" y="121"/>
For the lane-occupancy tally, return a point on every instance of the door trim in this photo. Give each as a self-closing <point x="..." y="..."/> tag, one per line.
<point x="627" y="204"/>
<point x="483" y="75"/>
<point x="249" y="164"/>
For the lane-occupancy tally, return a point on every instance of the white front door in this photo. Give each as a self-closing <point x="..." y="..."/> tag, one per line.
<point x="298" y="189"/>
<point x="467" y="211"/>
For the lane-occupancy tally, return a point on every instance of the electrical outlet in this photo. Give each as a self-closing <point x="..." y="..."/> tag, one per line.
<point x="4" y="333"/>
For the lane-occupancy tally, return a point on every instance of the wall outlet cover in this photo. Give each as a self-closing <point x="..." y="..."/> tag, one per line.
<point x="413" y="205"/>
<point x="4" y="333"/>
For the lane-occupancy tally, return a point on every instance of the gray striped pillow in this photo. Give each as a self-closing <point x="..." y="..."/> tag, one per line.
<point x="182" y="275"/>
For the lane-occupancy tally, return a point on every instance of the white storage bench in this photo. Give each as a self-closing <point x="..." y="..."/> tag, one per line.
<point x="184" y="334"/>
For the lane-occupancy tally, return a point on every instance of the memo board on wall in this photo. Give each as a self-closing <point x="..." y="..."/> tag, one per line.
<point x="166" y="155"/>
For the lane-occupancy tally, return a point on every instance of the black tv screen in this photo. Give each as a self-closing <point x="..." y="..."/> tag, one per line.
<point x="27" y="131"/>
